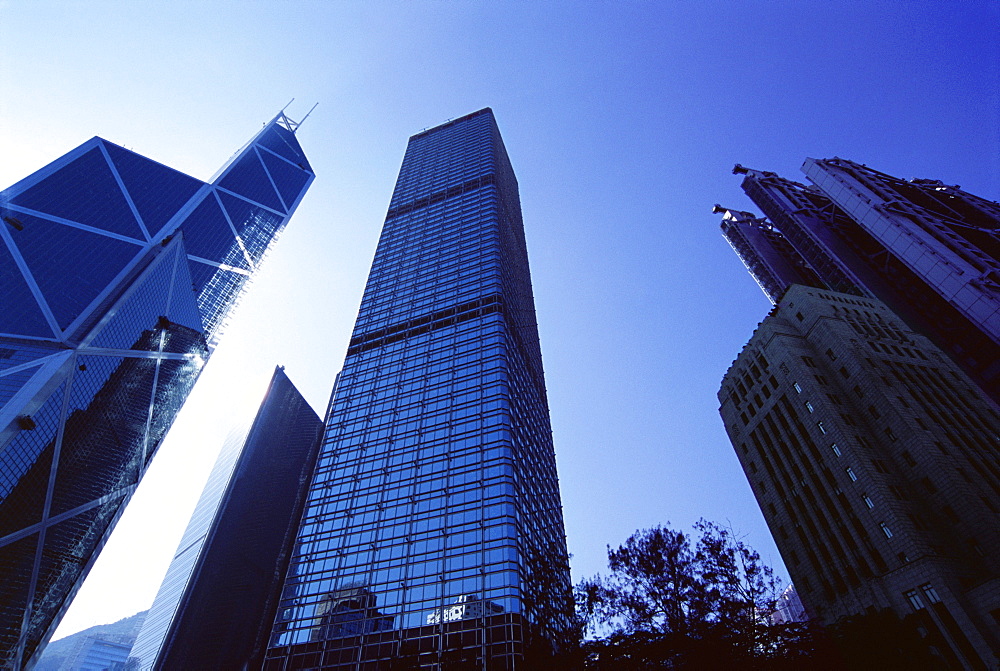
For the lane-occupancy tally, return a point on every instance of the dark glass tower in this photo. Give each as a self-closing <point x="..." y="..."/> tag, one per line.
<point x="929" y="251"/>
<point x="218" y="599"/>
<point x="116" y="276"/>
<point x="433" y="533"/>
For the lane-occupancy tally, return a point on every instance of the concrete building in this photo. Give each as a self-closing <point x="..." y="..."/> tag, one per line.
<point x="930" y="251"/>
<point x="874" y="460"/>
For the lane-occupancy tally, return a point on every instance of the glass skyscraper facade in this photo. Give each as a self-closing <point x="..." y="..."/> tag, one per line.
<point x="432" y="535"/>
<point x="928" y="250"/>
<point x="116" y="276"/>
<point x="215" y="606"/>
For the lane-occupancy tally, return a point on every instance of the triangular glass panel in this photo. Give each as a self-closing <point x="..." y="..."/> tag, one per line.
<point x="137" y="320"/>
<point x="11" y="384"/>
<point x="17" y="563"/>
<point x="138" y="313"/>
<point x="289" y="179"/>
<point x="282" y="142"/>
<point x="207" y="234"/>
<point x="71" y="266"/>
<point x="84" y="191"/>
<point x="184" y="300"/>
<point x="105" y="429"/>
<point x="24" y="470"/>
<point x="157" y="191"/>
<point x="21" y="314"/>
<point x="247" y="177"/>
<point x="14" y="352"/>
<point x="255" y="225"/>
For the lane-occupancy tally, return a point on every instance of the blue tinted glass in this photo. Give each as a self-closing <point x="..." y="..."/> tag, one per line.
<point x="103" y="436"/>
<point x="255" y="225"/>
<point x="71" y="266"/>
<point x="140" y="312"/>
<point x="11" y="384"/>
<point x="184" y="300"/>
<point x="23" y="470"/>
<point x="247" y="177"/>
<point x="20" y="314"/>
<point x="65" y="544"/>
<point x="207" y="234"/>
<point x="84" y="191"/>
<point x="157" y="191"/>
<point x="17" y="560"/>
<point x="419" y="517"/>
<point x="282" y="142"/>
<point x="17" y="352"/>
<point x="217" y="291"/>
<point x="289" y="179"/>
<point x="173" y="384"/>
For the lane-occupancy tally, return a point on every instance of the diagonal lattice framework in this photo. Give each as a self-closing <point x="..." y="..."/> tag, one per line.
<point x="117" y="274"/>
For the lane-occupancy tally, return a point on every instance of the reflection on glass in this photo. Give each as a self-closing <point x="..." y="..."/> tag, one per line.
<point x="348" y="612"/>
<point x="466" y="607"/>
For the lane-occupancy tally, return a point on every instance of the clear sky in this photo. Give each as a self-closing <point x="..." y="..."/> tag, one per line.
<point x="623" y="121"/>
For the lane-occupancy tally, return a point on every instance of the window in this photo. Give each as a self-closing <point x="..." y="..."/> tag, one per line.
<point x="809" y="407"/>
<point x="850" y="474"/>
<point x="829" y="353"/>
<point x="807" y="360"/>
<point x="930" y="593"/>
<point x="836" y="450"/>
<point x="885" y="529"/>
<point x="868" y="501"/>
<point x="798" y="389"/>
<point x="819" y="425"/>
<point x="914" y="599"/>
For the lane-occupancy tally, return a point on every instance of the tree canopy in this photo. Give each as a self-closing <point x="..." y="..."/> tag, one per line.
<point x="674" y="600"/>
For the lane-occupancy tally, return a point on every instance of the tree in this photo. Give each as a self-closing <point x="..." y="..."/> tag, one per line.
<point x="668" y="603"/>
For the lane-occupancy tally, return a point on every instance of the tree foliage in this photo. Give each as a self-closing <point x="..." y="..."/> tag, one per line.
<point x="673" y="600"/>
<point x="660" y="582"/>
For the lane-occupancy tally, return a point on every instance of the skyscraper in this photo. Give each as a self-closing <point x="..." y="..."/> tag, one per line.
<point x="874" y="460"/>
<point x="216" y="604"/>
<point x="433" y="531"/>
<point x="929" y="251"/>
<point x="117" y="276"/>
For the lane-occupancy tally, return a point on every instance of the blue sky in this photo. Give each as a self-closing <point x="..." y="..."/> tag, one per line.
<point x="623" y="121"/>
